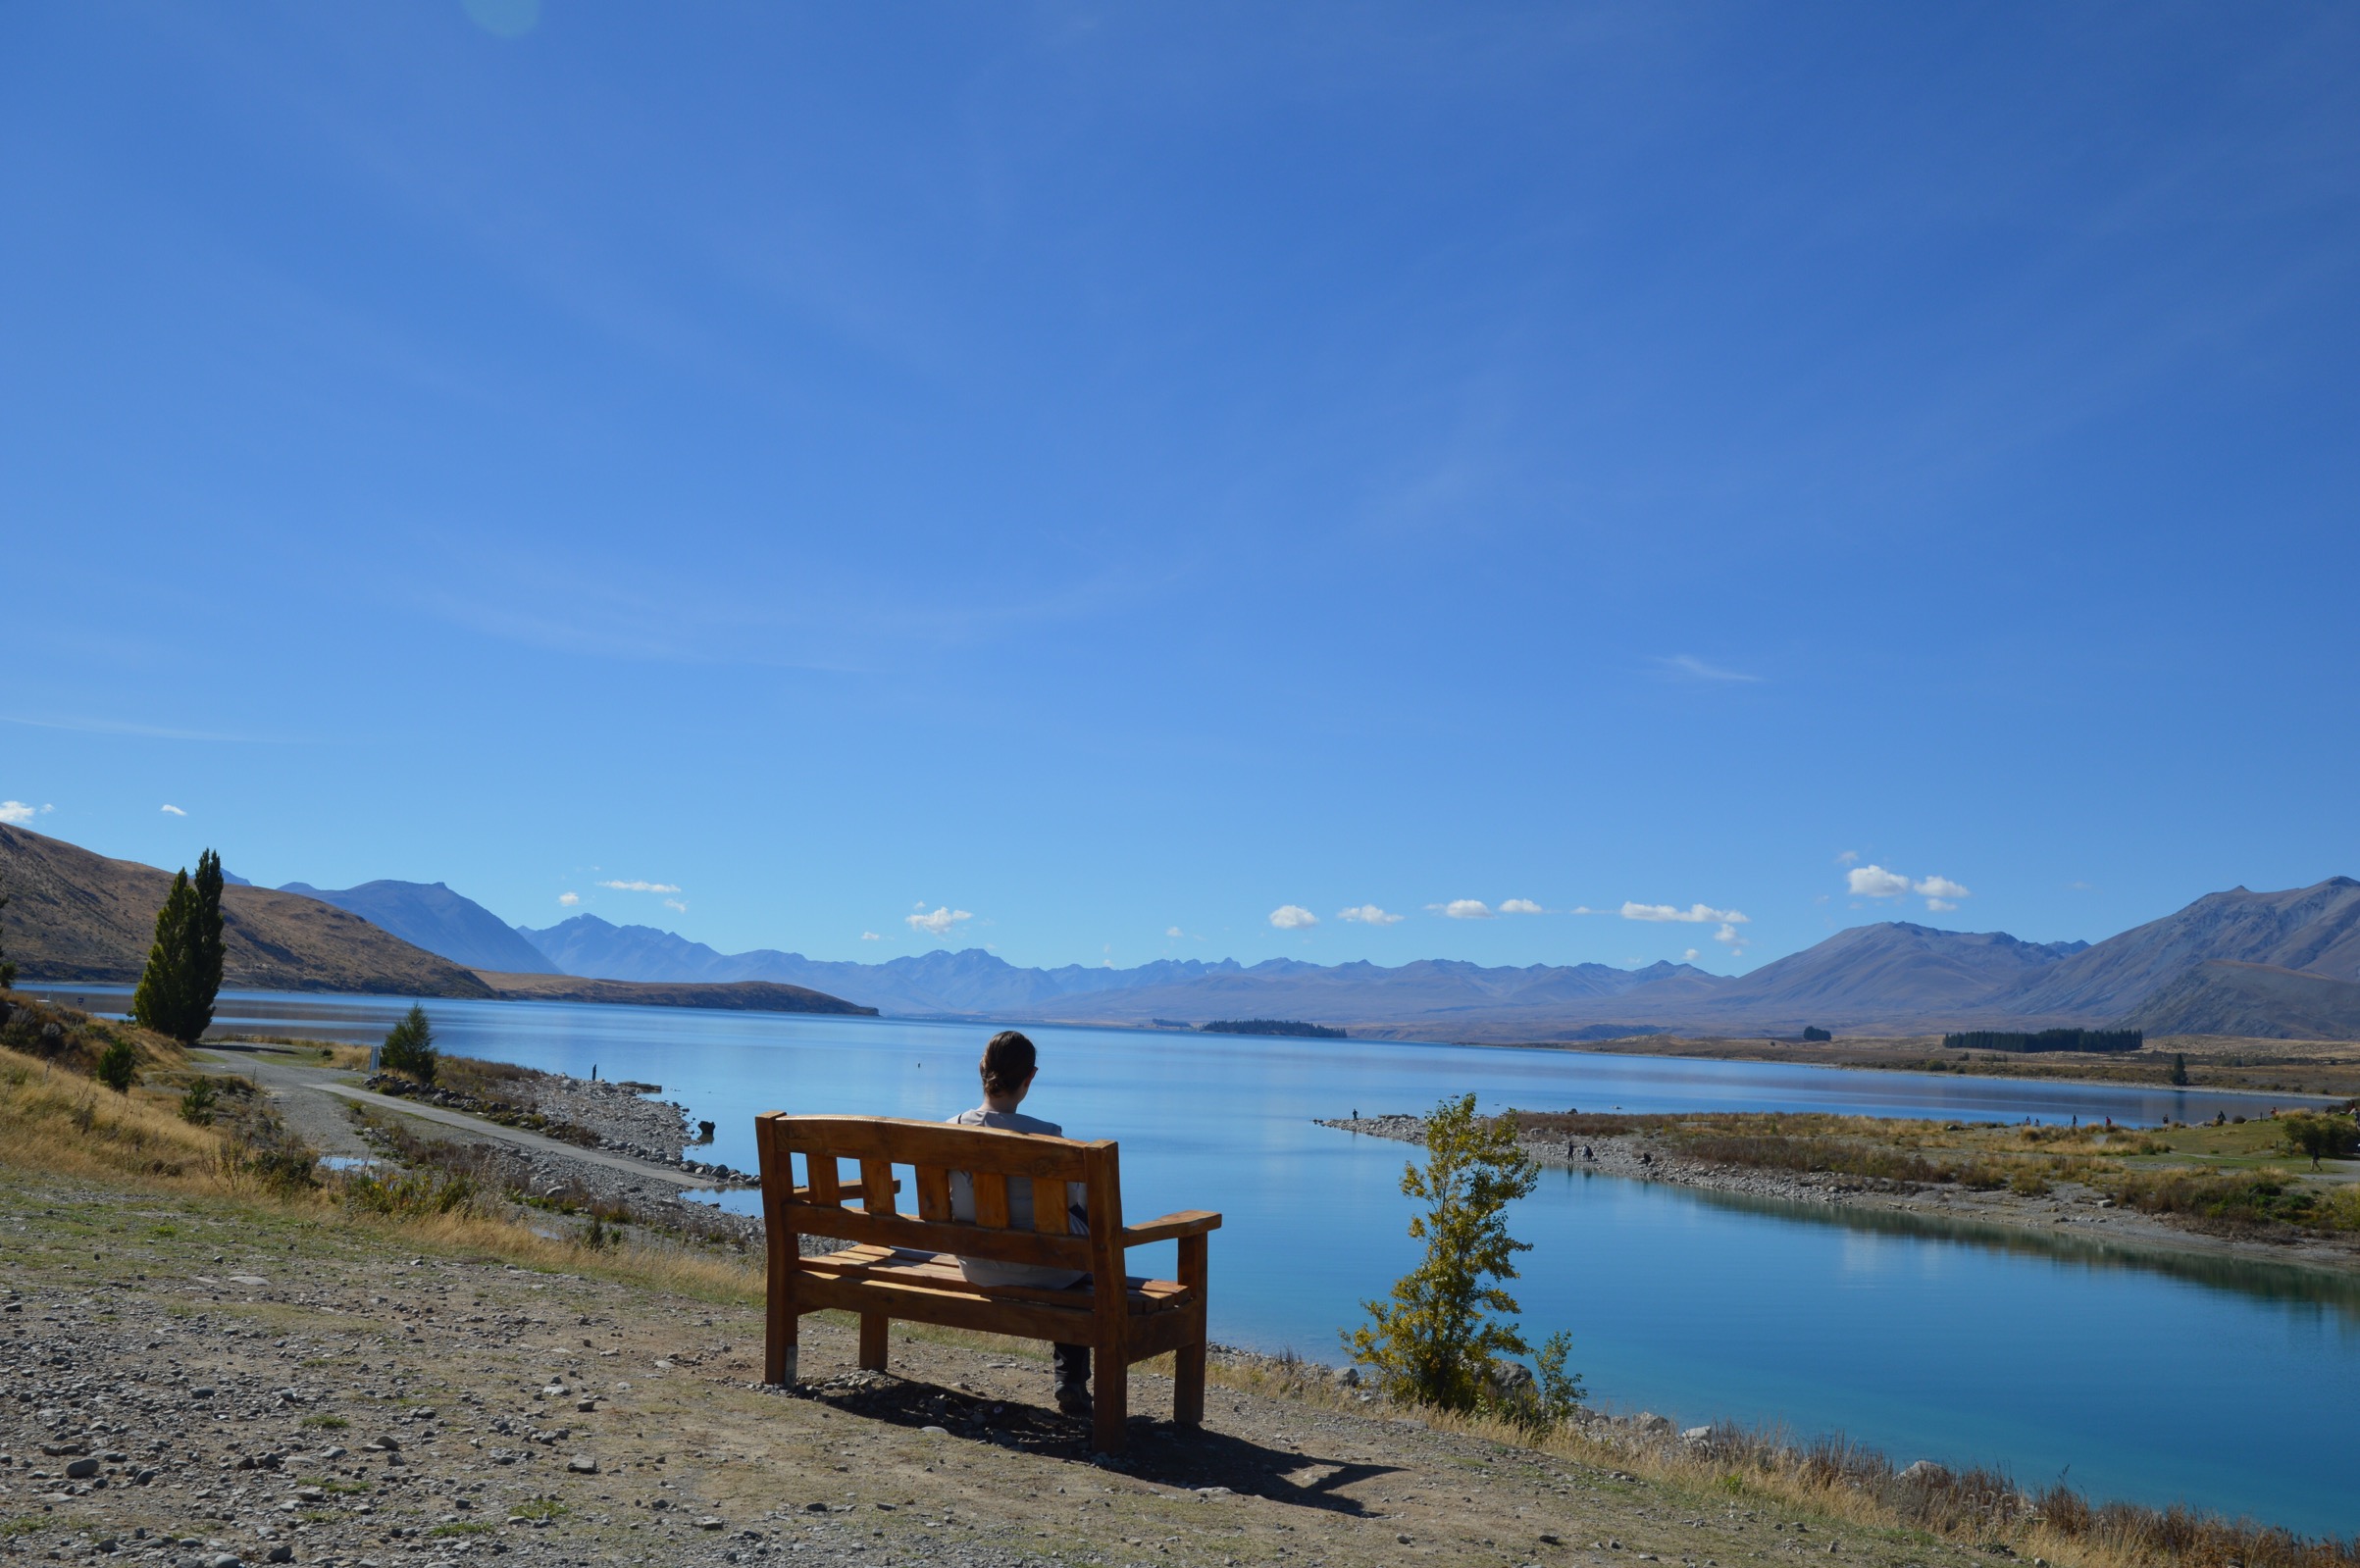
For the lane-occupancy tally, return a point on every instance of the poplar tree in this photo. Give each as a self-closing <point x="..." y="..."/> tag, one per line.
<point x="167" y="986"/>
<point x="8" y="969"/>
<point x="210" y="954"/>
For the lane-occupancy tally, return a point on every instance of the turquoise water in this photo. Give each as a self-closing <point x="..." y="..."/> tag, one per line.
<point x="2146" y="1375"/>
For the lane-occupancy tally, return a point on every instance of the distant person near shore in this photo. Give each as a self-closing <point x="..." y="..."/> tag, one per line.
<point x="1009" y="1066"/>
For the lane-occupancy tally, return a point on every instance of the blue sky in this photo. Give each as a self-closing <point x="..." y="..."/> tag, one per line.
<point x="1119" y="472"/>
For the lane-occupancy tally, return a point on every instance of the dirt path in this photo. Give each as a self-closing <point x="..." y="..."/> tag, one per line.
<point x="311" y="1099"/>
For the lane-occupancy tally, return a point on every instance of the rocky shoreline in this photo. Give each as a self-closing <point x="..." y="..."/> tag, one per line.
<point x="2068" y="1208"/>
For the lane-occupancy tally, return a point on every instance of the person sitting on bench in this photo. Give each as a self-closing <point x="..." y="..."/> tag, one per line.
<point x="1008" y="1065"/>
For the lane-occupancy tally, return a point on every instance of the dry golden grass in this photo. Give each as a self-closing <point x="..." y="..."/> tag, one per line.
<point x="55" y="1119"/>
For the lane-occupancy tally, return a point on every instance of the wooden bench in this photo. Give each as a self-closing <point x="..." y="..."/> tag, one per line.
<point x="906" y="1266"/>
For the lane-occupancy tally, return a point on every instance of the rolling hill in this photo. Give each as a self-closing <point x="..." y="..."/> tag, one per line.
<point x="77" y="916"/>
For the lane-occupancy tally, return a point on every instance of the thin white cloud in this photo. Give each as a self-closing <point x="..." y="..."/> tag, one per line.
<point x="1874" y="882"/>
<point x="939" y="923"/>
<point x="1368" y="915"/>
<point x="870" y="937"/>
<point x="1731" y="937"/>
<point x="1584" y="909"/>
<point x="1521" y="907"/>
<point x="1940" y="893"/>
<point x="1172" y="931"/>
<point x="674" y="903"/>
<point x="1690" y="956"/>
<point x="641" y="886"/>
<point x="1463" y="909"/>
<point x="1696" y="669"/>
<point x="1850" y="857"/>
<point x="175" y="810"/>
<point x="1293" y="917"/>
<point x="16" y="813"/>
<point x="1693" y="915"/>
<point x="568" y="899"/>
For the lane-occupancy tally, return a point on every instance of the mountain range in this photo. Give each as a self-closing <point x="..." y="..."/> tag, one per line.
<point x="2281" y="964"/>
<point x="2237" y="962"/>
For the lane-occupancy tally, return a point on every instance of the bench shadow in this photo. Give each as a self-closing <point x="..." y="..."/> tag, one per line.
<point x="1168" y="1455"/>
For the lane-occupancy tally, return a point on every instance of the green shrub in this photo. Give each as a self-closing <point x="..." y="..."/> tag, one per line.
<point x="118" y="1065"/>
<point x="409" y="1047"/>
<point x="2334" y="1137"/>
<point x="196" y="1102"/>
<point x="1443" y="1336"/>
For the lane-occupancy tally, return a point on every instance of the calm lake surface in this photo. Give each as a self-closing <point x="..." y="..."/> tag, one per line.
<point x="2224" y="1385"/>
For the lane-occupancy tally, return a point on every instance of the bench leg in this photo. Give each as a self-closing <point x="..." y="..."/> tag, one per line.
<point x="779" y="1348"/>
<point x="1188" y="1362"/>
<point x="1188" y="1385"/>
<point x="1109" y="1400"/>
<point x="872" y="1342"/>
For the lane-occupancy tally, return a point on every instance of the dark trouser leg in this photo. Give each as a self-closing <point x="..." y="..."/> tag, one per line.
<point x="1074" y="1365"/>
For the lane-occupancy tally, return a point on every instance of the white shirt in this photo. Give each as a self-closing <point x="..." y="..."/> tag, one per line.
<point x="992" y="1271"/>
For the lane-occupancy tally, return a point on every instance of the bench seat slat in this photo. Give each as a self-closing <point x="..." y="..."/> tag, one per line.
<point x="941" y="1270"/>
<point x="904" y="1231"/>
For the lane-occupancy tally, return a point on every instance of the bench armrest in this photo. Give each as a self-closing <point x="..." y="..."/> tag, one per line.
<point x="1187" y="1222"/>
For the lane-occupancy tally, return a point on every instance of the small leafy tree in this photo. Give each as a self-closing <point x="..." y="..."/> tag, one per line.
<point x="118" y="1065"/>
<point x="2325" y="1137"/>
<point x="1449" y="1320"/>
<point x="166" y="998"/>
<point x="410" y="1046"/>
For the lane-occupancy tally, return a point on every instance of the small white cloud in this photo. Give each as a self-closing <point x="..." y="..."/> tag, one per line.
<point x="870" y="937"/>
<point x="176" y="811"/>
<point x="1690" y="956"/>
<point x="1293" y="917"/>
<point x="1368" y="915"/>
<point x="2070" y="886"/>
<point x="568" y="899"/>
<point x="16" y="813"/>
<point x="1940" y="906"/>
<point x="939" y="923"/>
<point x="1584" y="909"/>
<point x="1696" y="669"/>
<point x="1693" y="915"/>
<point x="1874" y="882"/>
<point x="1521" y="907"/>
<point x="1171" y="931"/>
<point x="674" y="903"/>
<point x="1850" y="857"/>
<point x="641" y="886"/>
<point x="1940" y="887"/>
<point x="1731" y="937"/>
<point x="1463" y="909"/>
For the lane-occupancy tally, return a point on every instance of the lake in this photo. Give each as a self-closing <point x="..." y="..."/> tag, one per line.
<point x="2144" y="1375"/>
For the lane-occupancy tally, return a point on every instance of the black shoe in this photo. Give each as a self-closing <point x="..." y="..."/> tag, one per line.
<point x="1073" y="1398"/>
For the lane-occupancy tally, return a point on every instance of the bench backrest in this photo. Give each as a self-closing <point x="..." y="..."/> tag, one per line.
<point x="822" y="1201"/>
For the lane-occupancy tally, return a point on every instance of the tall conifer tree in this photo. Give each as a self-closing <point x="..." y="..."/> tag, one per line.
<point x="166" y="987"/>
<point x="209" y="953"/>
<point x="8" y="969"/>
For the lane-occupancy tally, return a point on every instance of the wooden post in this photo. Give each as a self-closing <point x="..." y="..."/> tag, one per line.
<point x="872" y="1342"/>
<point x="1188" y="1362"/>
<point x="781" y="1322"/>
<point x="1110" y="1372"/>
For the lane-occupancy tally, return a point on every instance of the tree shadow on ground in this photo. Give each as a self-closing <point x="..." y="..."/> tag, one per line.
<point x="1188" y="1457"/>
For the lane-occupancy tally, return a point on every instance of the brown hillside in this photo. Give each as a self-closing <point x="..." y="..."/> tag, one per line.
<point x="736" y="996"/>
<point x="75" y="916"/>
